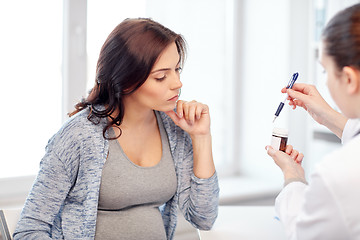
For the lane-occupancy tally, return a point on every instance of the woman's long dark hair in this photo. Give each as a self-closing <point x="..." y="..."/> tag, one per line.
<point x="125" y="62"/>
<point x="342" y="37"/>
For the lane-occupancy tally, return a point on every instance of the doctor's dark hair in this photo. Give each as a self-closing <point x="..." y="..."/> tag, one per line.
<point x="125" y="62"/>
<point x="342" y="37"/>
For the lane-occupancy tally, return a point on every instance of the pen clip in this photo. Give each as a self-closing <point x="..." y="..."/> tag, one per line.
<point x="292" y="80"/>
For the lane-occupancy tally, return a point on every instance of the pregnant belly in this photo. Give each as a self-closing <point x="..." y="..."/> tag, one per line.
<point x="141" y="222"/>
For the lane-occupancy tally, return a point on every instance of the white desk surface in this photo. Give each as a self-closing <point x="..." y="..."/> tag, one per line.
<point x="245" y="222"/>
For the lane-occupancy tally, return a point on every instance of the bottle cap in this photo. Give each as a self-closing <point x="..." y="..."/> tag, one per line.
<point x="281" y="132"/>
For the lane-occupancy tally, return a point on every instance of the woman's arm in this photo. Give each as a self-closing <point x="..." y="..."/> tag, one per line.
<point x="198" y="197"/>
<point x="194" y="118"/>
<point x="199" y="200"/>
<point x="45" y="200"/>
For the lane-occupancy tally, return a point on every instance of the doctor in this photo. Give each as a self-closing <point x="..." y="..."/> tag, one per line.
<point x="328" y="206"/>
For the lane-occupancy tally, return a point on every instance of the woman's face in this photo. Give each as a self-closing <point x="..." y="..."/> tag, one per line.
<point x="161" y="89"/>
<point x="336" y="82"/>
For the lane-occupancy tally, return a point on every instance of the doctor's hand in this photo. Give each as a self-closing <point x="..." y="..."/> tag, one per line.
<point x="308" y="97"/>
<point x="289" y="162"/>
<point x="193" y="117"/>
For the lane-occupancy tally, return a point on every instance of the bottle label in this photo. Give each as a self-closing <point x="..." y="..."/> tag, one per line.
<point x="278" y="143"/>
<point x="275" y="142"/>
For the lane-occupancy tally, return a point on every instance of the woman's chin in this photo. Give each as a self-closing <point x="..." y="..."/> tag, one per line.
<point x="166" y="108"/>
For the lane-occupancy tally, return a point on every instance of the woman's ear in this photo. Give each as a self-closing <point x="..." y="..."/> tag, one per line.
<point x="352" y="79"/>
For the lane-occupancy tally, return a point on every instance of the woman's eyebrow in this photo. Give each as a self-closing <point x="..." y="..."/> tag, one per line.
<point x="164" y="69"/>
<point x="159" y="70"/>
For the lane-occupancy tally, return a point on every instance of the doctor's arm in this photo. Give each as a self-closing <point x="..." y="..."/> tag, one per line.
<point x="310" y="212"/>
<point x="305" y="210"/>
<point x="308" y="97"/>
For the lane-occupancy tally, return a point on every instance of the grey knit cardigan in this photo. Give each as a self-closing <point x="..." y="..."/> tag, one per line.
<point x="63" y="201"/>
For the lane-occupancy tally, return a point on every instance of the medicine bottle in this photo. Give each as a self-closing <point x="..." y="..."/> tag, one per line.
<point x="279" y="139"/>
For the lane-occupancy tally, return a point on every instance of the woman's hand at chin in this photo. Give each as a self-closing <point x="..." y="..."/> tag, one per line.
<point x="193" y="117"/>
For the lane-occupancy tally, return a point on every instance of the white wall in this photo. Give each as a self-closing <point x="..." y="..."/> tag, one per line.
<point x="265" y="70"/>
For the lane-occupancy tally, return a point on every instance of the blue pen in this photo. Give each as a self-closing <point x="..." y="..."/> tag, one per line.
<point x="289" y="86"/>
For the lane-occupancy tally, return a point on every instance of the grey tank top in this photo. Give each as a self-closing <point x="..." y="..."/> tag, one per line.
<point x="130" y="195"/>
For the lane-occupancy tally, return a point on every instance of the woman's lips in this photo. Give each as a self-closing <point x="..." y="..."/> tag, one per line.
<point x="175" y="98"/>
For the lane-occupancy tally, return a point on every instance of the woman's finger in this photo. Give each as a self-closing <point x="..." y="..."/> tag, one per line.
<point x="186" y="110"/>
<point x="191" y="113"/>
<point x="179" y="108"/>
<point x="198" y="112"/>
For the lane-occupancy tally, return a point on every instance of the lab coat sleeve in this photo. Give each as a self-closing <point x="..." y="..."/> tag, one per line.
<point x="288" y="205"/>
<point x="352" y="127"/>
<point x="310" y="212"/>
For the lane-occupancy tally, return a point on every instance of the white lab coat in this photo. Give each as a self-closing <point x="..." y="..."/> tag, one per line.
<point x="329" y="207"/>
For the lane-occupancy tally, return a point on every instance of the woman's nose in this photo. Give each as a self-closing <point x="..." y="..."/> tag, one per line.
<point x="176" y="83"/>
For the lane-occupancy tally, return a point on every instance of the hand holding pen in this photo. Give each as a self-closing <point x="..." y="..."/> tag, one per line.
<point x="289" y="86"/>
<point x="308" y="97"/>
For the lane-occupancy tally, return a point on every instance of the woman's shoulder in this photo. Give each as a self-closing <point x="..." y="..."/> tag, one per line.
<point x="77" y="129"/>
<point x="81" y="122"/>
<point x="74" y="126"/>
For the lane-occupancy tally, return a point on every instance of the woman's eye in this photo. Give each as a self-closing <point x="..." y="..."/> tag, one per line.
<point x="161" y="78"/>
